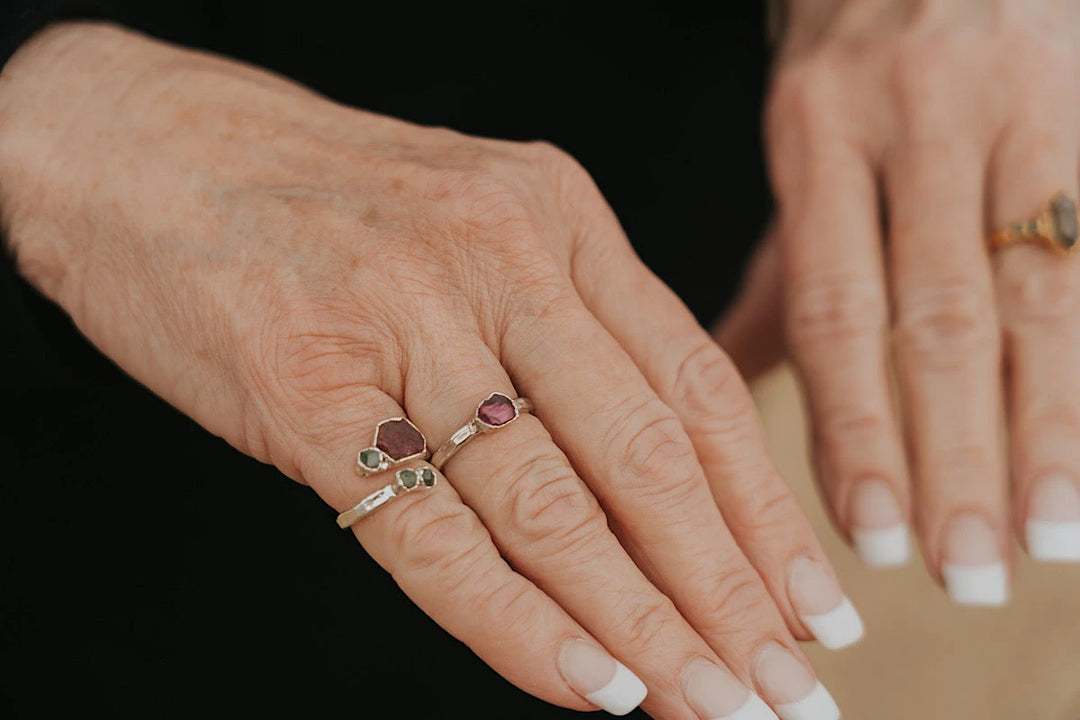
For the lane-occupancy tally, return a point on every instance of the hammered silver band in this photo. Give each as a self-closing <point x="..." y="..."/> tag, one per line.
<point x="405" y="481"/>
<point x="493" y="412"/>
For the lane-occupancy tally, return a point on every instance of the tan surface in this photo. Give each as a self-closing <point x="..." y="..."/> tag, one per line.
<point x="924" y="658"/>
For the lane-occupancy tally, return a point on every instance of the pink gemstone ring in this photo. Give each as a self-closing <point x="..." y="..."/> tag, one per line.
<point x="493" y="412"/>
<point x="396" y="441"/>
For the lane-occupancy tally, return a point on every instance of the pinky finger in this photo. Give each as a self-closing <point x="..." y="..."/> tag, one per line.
<point x="443" y="558"/>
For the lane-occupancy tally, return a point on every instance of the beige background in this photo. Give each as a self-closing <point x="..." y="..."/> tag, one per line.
<point x="924" y="658"/>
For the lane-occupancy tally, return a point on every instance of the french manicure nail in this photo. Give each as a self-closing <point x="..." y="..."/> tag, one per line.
<point x="794" y="692"/>
<point x="877" y="526"/>
<point x="716" y="695"/>
<point x="972" y="567"/>
<point x="1053" y="525"/>
<point x="821" y="605"/>
<point x="600" y="678"/>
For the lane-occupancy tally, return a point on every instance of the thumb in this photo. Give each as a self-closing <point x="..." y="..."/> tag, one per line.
<point x="751" y="329"/>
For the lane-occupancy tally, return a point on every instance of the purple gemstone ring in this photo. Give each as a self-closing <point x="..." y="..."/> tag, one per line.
<point x="396" y="441"/>
<point x="493" y="412"/>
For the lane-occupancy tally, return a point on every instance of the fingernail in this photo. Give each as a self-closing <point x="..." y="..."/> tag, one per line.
<point x="821" y="605"/>
<point x="1053" y="525"/>
<point x="877" y="526"/>
<point x="792" y="690"/>
<point x="715" y="694"/>
<point x="972" y="567"/>
<point x="600" y="678"/>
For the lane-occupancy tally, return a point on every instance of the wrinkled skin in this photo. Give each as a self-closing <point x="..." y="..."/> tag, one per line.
<point x="288" y="272"/>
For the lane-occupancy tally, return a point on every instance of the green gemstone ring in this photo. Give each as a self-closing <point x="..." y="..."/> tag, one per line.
<point x="405" y="480"/>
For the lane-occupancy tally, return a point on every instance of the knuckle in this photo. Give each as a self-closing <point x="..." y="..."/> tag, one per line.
<point x="733" y="599"/>
<point x="654" y="455"/>
<point x="802" y="93"/>
<point x="1050" y="420"/>
<point x="946" y="324"/>
<point x="835" y="308"/>
<point x="766" y="511"/>
<point x="964" y="459"/>
<point x="509" y="605"/>
<point x="922" y="78"/>
<point x="549" y="505"/>
<point x="437" y="536"/>
<point x="652" y="623"/>
<point x="843" y="428"/>
<point x="492" y="206"/>
<point x="1047" y="296"/>
<point x="556" y="161"/>
<point x="706" y="379"/>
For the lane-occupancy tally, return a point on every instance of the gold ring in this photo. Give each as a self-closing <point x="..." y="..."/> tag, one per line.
<point x="1056" y="226"/>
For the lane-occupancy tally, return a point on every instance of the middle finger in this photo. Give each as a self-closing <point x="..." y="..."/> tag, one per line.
<point x="643" y="467"/>
<point x="948" y="357"/>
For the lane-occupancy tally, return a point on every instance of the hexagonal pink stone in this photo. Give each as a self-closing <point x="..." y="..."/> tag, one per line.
<point x="399" y="439"/>
<point x="496" y="410"/>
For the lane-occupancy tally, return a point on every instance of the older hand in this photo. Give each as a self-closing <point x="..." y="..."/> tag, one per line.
<point x="901" y="136"/>
<point x="289" y="272"/>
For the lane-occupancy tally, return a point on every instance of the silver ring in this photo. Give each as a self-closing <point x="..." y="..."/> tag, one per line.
<point x="396" y="441"/>
<point x="405" y="480"/>
<point x="493" y="412"/>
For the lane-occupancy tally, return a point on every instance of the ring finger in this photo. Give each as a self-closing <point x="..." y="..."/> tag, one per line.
<point x="547" y="524"/>
<point x="1039" y="298"/>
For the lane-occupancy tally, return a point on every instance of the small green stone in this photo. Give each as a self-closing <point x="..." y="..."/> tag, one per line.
<point x="407" y="478"/>
<point x="427" y="476"/>
<point x="371" y="458"/>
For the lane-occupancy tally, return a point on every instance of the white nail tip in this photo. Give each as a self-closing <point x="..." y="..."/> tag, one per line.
<point x="837" y="628"/>
<point x="1053" y="541"/>
<point x="888" y="547"/>
<point x="818" y="705"/>
<point x="753" y="709"/>
<point x="624" y="693"/>
<point x="977" y="584"/>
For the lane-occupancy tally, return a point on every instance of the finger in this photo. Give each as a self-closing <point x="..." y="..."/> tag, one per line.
<point x="642" y="467"/>
<point x="694" y="378"/>
<point x="1039" y="305"/>
<point x="442" y="557"/>
<point x="836" y="324"/>
<point x="750" y="331"/>
<point x="948" y="357"/>
<point x="548" y="525"/>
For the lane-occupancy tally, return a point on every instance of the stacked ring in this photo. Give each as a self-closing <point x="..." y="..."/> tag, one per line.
<point x="405" y="480"/>
<point x="396" y="441"/>
<point x="493" y="412"/>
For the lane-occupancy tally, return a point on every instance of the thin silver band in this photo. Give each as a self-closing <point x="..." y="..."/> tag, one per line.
<point x="404" y="481"/>
<point x="475" y="427"/>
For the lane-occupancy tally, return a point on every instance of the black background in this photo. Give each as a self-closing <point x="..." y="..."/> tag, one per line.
<point x="148" y="569"/>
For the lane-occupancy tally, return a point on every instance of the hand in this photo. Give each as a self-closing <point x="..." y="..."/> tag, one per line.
<point x="289" y="272"/>
<point x="900" y="136"/>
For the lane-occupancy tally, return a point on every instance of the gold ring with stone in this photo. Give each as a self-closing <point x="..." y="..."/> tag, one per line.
<point x="1057" y="226"/>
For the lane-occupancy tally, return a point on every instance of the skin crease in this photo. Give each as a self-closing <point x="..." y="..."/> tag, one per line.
<point x="288" y="272"/>
<point x="900" y="135"/>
